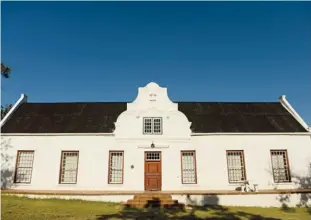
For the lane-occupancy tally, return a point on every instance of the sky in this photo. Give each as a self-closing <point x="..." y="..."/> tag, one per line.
<point x="200" y="51"/>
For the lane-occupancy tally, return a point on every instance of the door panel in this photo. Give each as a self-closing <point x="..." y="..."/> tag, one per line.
<point x="153" y="182"/>
<point x="153" y="179"/>
<point x="153" y="168"/>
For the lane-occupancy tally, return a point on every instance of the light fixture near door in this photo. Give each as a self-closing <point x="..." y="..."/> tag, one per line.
<point x="152" y="145"/>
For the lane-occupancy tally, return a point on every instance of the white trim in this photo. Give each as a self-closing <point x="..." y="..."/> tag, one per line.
<point x="21" y="100"/>
<point x="155" y="137"/>
<point x="292" y="111"/>
<point x="152" y="138"/>
<point x="250" y="133"/>
<point x="156" y="146"/>
<point x="57" y="134"/>
<point x="283" y="184"/>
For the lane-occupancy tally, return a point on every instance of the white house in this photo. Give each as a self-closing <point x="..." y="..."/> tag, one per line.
<point x="112" y="150"/>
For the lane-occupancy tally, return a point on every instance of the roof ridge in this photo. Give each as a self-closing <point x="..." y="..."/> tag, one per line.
<point x="73" y="102"/>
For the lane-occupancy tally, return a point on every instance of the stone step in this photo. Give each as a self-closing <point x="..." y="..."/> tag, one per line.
<point x="154" y="201"/>
<point x="153" y="194"/>
<point x="134" y="201"/>
<point x="151" y="202"/>
<point x="145" y="200"/>
<point x="179" y="206"/>
<point x="146" y="197"/>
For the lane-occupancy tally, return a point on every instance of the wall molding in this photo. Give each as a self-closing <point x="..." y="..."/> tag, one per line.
<point x="250" y="133"/>
<point x="57" y="134"/>
<point x="175" y="192"/>
<point x="157" y="138"/>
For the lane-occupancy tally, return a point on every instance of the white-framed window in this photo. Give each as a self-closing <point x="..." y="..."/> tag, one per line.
<point x="236" y="166"/>
<point x="152" y="125"/>
<point x="116" y="159"/>
<point x="24" y="165"/>
<point x="69" y="167"/>
<point x="280" y="166"/>
<point x="188" y="167"/>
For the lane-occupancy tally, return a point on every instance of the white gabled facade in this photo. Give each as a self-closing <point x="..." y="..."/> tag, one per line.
<point x="211" y="167"/>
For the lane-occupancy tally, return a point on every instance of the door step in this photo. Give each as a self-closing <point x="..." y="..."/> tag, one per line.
<point x="153" y="200"/>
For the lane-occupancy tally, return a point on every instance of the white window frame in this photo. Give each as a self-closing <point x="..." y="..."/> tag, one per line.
<point x="185" y="171"/>
<point x="119" y="168"/>
<point x="63" y="169"/>
<point x="152" y="124"/>
<point x="20" y="165"/>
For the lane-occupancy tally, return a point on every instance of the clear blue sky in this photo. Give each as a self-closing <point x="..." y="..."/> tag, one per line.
<point x="203" y="51"/>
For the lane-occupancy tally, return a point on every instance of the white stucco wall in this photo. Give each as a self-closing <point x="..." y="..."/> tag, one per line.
<point x="210" y="159"/>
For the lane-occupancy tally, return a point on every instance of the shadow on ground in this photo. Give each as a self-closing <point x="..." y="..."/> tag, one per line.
<point x="152" y="211"/>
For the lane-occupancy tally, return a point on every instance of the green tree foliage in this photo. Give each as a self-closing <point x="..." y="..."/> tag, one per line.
<point x="5" y="73"/>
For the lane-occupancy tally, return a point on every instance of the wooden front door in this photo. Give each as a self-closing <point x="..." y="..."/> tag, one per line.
<point x="153" y="179"/>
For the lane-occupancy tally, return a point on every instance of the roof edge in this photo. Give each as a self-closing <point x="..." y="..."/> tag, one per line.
<point x="21" y="100"/>
<point x="57" y="134"/>
<point x="253" y="133"/>
<point x="177" y="102"/>
<point x="292" y="111"/>
<point x="192" y="134"/>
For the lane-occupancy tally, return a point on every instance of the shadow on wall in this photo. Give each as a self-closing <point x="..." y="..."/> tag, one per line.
<point x="304" y="182"/>
<point x="6" y="174"/>
<point x="214" y="210"/>
<point x="301" y="182"/>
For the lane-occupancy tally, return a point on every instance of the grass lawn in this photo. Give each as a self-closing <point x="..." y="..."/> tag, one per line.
<point x="21" y="208"/>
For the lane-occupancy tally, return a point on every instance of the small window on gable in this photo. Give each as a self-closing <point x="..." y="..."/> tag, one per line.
<point x="153" y="125"/>
<point x="280" y="166"/>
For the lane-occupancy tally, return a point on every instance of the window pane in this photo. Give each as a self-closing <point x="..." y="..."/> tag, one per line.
<point x="157" y="125"/>
<point x="116" y="167"/>
<point x="280" y="167"/>
<point x="24" y="164"/>
<point x="188" y="167"/>
<point x="153" y="156"/>
<point x="235" y="166"/>
<point x="69" y="167"/>
<point x="147" y="125"/>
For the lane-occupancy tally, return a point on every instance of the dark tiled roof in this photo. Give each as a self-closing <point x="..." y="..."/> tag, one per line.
<point x="64" y="118"/>
<point x="206" y="117"/>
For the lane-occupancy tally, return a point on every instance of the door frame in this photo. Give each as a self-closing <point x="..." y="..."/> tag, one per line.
<point x="159" y="161"/>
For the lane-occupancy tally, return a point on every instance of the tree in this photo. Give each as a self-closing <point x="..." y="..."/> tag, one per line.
<point x="5" y="73"/>
<point x="5" y="110"/>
